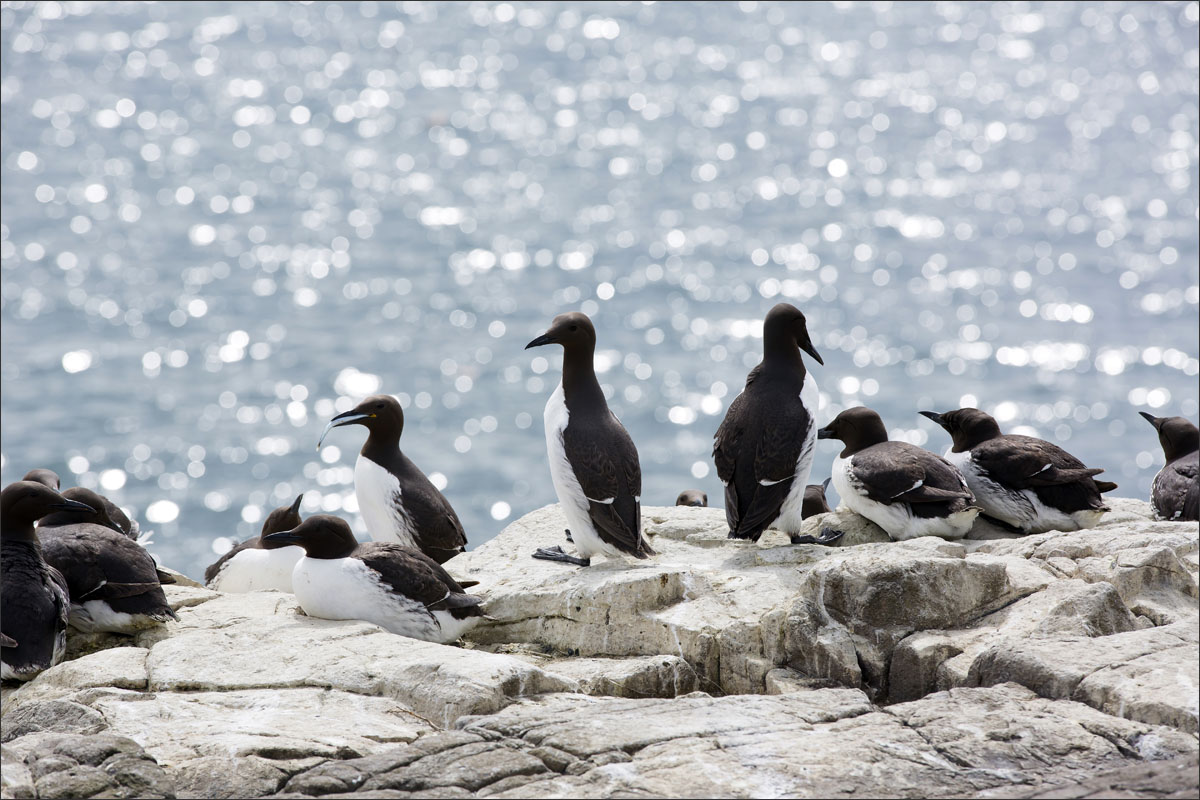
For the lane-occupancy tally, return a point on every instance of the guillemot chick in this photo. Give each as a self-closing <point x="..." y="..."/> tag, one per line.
<point x="397" y="501"/>
<point x="34" y="599"/>
<point x="257" y="564"/>
<point x="398" y="588"/>
<point x="114" y="583"/>
<point x="1175" y="493"/>
<point x="907" y="491"/>
<point x="764" y="448"/>
<point x="1026" y="483"/>
<point x="593" y="462"/>
<point x="692" y="497"/>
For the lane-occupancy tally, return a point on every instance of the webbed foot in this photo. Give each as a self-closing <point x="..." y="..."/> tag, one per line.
<point x="827" y="536"/>
<point x="556" y="553"/>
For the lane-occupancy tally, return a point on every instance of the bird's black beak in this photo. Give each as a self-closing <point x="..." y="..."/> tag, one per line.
<point x="825" y="484"/>
<point x="804" y="342"/>
<point x="826" y="433"/>
<point x="72" y="505"/>
<point x="545" y="338"/>
<point x="1153" y="420"/>
<point x="295" y="506"/>
<point x="346" y="418"/>
<point x="933" y="415"/>
<point x="284" y="537"/>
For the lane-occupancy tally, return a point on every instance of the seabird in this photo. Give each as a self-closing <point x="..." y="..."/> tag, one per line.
<point x="34" y="601"/>
<point x="113" y="516"/>
<point x="1025" y="483"/>
<point x="905" y="490"/>
<point x="256" y="564"/>
<point x="593" y="461"/>
<point x="113" y="581"/>
<point x="398" y="588"/>
<point x="1175" y="493"/>
<point x="764" y="447"/>
<point x="814" y="499"/>
<point x="397" y="501"/>
<point x="692" y="497"/>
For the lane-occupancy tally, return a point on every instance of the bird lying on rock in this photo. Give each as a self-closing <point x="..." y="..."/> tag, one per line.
<point x="1175" y="493"/>
<point x="398" y="588"/>
<point x="34" y="599"/>
<point x="1027" y="484"/>
<point x="256" y="564"/>
<point x="113" y="517"/>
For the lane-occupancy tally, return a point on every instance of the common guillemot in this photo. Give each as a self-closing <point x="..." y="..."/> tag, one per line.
<point x="763" y="449"/>
<point x="692" y="497"/>
<point x="398" y="588"/>
<point x="398" y="503"/>
<point x="593" y="461"/>
<point x="113" y="582"/>
<point x="814" y="499"/>
<point x="907" y="491"/>
<point x="34" y="600"/>
<point x="257" y="564"/>
<point x="113" y="517"/>
<point x="1175" y="493"/>
<point x="1028" y="484"/>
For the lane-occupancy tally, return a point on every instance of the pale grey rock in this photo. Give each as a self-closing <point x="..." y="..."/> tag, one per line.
<point x="119" y="667"/>
<point x="641" y="676"/>
<point x="58" y="765"/>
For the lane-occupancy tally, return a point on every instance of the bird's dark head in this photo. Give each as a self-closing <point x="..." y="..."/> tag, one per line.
<point x="692" y="497"/>
<point x="284" y="518"/>
<point x="44" y="476"/>
<point x="574" y="331"/>
<point x="858" y="428"/>
<point x="1177" y="435"/>
<point x="24" y="502"/>
<point x="968" y="427"/>
<point x="380" y="414"/>
<point x="321" y="536"/>
<point x="785" y="328"/>
<point x="814" y="500"/>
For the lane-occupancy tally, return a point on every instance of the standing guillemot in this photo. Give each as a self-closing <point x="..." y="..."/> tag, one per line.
<point x="398" y="588"/>
<point x="113" y="516"/>
<point x="692" y="497"/>
<point x="1026" y="483"/>
<point x="593" y="461"/>
<point x="1175" y="493"/>
<point x="814" y="499"/>
<point x="34" y="601"/>
<point x="397" y="501"/>
<point x="907" y="491"/>
<point x="256" y="564"/>
<point x="114" y="583"/>
<point x="764" y="447"/>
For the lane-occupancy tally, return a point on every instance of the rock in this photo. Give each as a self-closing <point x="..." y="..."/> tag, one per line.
<point x="1175" y="778"/>
<point x="55" y="765"/>
<point x="644" y="676"/>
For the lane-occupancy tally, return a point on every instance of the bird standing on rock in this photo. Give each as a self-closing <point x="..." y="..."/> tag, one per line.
<point x="593" y="461"/>
<point x="396" y="499"/>
<point x="1175" y="493"/>
<point x="398" y="588"/>
<point x="764" y="448"/>
<point x="907" y="491"/>
<point x="34" y="599"/>
<point x="256" y="564"/>
<point x="1025" y="483"/>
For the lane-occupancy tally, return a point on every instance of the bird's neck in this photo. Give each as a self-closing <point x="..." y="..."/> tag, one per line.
<point x="581" y="389"/>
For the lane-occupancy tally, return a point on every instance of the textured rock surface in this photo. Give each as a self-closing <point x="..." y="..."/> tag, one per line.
<point x="997" y="665"/>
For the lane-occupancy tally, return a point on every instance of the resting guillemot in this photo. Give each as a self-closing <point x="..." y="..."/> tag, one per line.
<point x="398" y="588"/>
<point x="1025" y="483"/>
<point x="34" y="601"/>
<point x="907" y="491"/>
<point x="692" y="497"/>
<point x="256" y="564"/>
<point x="593" y="461"/>
<point x="1175" y="493"/>
<point x="764" y="447"/>
<point x="113" y="581"/>
<point x="113" y="516"/>
<point x="396" y="500"/>
<point x="814" y="499"/>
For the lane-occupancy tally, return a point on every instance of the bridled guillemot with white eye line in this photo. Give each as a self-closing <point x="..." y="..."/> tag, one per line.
<point x="396" y="499"/>
<point x="34" y="600"/>
<point x="1175" y="493"/>
<point x="257" y="564"/>
<point x="1025" y="483"/>
<point x="907" y="491"/>
<point x="764" y="448"/>
<point x="113" y="581"/>
<point x="398" y="588"/>
<point x="593" y="461"/>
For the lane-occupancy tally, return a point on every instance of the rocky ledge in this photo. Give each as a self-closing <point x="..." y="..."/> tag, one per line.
<point x="1059" y="664"/>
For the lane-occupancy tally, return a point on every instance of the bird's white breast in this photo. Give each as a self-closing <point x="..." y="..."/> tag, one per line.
<point x="789" y="513"/>
<point x="255" y="570"/>
<point x="895" y="518"/>
<point x="380" y="501"/>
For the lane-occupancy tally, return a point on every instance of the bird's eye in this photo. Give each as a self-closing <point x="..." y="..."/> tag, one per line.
<point x="574" y="328"/>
